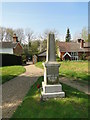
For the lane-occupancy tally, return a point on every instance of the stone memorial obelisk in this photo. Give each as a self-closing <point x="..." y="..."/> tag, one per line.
<point x="51" y="86"/>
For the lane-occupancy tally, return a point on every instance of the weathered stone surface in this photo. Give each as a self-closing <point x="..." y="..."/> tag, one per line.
<point x="51" y="86"/>
<point x="51" y="48"/>
<point x="51" y="72"/>
<point x="53" y="95"/>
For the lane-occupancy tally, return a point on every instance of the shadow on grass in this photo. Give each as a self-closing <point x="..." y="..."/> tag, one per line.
<point x="74" y="105"/>
<point x="75" y="76"/>
<point x="71" y="91"/>
<point x="13" y="92"/>
<point x="6" y="78"/>
<point x="60" y="108"/>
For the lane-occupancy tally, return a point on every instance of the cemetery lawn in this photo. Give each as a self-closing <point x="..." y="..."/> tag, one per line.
<point x="74" y="105"/>
<point x="9" y="72"/>
<point x="77" y="70"/>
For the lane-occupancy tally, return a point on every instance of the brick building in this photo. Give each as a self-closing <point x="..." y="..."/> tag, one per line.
<point x="73" y="50"/>
<point x="13" y="47"/>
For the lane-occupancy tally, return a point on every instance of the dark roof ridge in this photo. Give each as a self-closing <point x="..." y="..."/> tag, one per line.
<point x="8" y="44"/>
<point x="42" y="52"/>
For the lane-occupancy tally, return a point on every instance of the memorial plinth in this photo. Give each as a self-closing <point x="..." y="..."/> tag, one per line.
<point x="51" y="86"/>
<point x="51" y="72"/>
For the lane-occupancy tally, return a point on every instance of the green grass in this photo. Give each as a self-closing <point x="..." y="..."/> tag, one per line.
<point x="9" y="72"/>
<point x="74" y="105"/>
<point x="77" y="70"/>
<point x="39" y="64"/>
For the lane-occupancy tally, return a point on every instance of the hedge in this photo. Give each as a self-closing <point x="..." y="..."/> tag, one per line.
<point x="9" y="59"/>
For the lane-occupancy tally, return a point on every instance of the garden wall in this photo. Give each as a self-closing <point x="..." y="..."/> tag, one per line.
<point x="9" y="59"/>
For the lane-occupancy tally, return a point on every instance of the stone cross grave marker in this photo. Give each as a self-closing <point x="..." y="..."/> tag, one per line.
<point x="51" y="86"/>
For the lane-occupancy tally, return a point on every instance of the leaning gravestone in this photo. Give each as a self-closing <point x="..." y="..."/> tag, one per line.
<point x="51" y="86"/>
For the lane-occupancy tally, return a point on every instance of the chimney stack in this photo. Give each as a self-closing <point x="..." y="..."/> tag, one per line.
<point x="82" y="43"/>
<point x="78" y="40"/>
<point x="15" y="38"/>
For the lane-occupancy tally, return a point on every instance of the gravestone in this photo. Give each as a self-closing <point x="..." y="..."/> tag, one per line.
<point x="51" y="86"/>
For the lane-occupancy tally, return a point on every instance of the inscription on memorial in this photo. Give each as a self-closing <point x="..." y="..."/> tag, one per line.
<point x="52" y="79"/>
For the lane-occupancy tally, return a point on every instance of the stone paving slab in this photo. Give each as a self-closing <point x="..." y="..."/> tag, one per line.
<point x="14" y="90"/>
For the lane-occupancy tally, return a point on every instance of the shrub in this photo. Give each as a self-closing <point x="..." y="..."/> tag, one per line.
<point x="23" y="59"/>
<point x="83" y="56"/>
<point x="58" y="59"/>
<point x="88" y="58"/>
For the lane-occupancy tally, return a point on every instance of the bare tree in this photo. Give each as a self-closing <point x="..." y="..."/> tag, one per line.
<point x="84" y="33"/>
<point x="47" y="31"/>
<point x="6" y="34"/>
<point x="2" y="33"/>
<point x="29" y="34"/>
<point x="76" y="36"/>
<point x="43" y="38"/>
<point x="20" y="34"/>
<point x="9" y="34"/>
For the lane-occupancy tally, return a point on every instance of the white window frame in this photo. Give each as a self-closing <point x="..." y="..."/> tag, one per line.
<point x="73" y="56"/>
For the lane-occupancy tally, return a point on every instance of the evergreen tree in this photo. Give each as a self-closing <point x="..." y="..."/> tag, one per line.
<point x="68" y="36"/>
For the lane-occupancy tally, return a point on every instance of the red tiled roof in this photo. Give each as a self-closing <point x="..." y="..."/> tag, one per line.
<point x="87" y="44"/>
<point x="71" y="47"/>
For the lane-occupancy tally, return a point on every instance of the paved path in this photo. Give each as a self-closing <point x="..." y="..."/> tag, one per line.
<point x="14" y="90"/>
<point x="75" y="84"/>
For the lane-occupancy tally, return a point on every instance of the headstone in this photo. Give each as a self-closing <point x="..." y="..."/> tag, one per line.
<point x="51" y="86"/>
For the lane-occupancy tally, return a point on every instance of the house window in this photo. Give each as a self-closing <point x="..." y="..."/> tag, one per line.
<point x="74" y="55"/>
